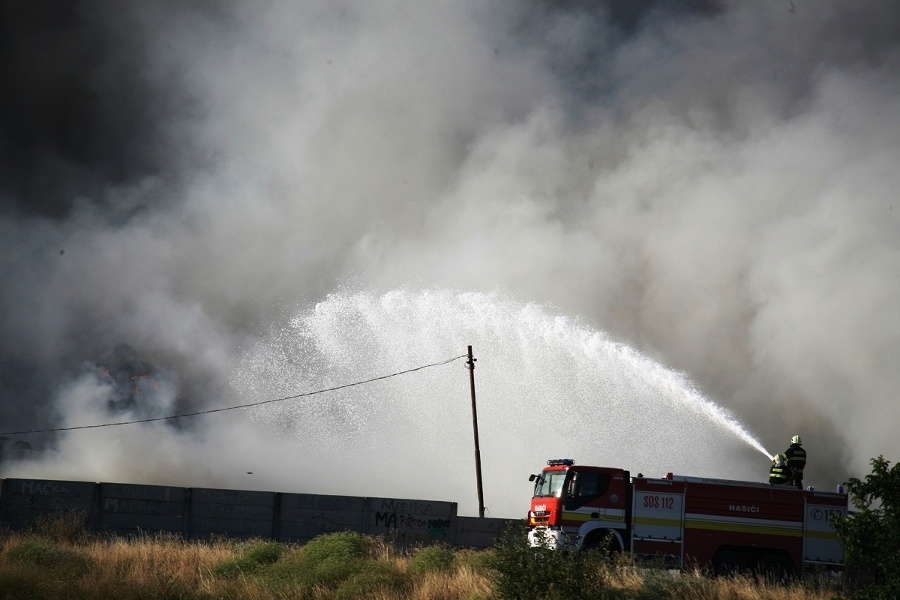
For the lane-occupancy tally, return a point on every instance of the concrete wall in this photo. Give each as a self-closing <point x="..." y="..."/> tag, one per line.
<point x="474" y="532"/>
<point x="128" y="509"/>
<point x="199" y="513"/>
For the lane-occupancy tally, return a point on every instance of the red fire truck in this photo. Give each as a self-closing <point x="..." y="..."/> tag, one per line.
<point x="730" y="526"/>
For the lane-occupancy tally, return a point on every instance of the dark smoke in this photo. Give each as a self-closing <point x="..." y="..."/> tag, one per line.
<point x="79" y="111"/>
<point x="711" y="182"/>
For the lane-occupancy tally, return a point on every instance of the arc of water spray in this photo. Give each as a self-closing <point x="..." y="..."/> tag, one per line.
<point x="719" y="415"/>
<point x="584" y="378"/>
<point x="697" y="401"/>
<point x="745" y="435"/>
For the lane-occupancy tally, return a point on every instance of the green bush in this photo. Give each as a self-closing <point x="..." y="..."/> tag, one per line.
<point x="330" y="572"/>
<point x="326" y="561"/>
<point x="43" y="553"/>
<point x="346" y="545"/>
<point x="479" y="561"/>
<point x="254" y="557"/>
<point x="264" y="552"/>
<point x="432" y="559"/>
<point x="871" y="534"/>
<point x="526" y="573"/>
<point x="376" y="578"/>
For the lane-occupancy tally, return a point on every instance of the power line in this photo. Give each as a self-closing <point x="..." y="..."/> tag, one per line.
<point x="215" y="410"/>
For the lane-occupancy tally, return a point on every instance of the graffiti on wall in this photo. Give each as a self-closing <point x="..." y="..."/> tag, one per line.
<point x="201" y="512"/>
<point x="44" y="488"/>
<point x="49" y="495"/>
<point x="420" y="519"/>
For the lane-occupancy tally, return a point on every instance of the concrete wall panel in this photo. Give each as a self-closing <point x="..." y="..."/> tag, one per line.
<point x="473" y="532"/>
<point x="161" y="493"/>
<point x="322" y="502"/>
<point x="236" y="513"/>
<point x="131" y="509"/>
<point x="139" y="525"/>
<point x="410" y="521"/>
<point x="305" y="516"/>
<point x="26" y="500"/>
<point x="202" y="528"/>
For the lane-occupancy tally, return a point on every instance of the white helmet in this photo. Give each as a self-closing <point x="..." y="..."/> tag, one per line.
<point x="796" y="440"/>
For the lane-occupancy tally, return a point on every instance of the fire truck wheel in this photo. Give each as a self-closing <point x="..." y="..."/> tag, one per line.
<point x="776" y="567"/>
<point x="602" y="540"/>
<point x="729" y="562"/>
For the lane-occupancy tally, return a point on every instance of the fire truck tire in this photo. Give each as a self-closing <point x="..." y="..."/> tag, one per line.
<point x="777" y="567"/>
<point x="729" y="562"/>
<point x="602" y="539"/>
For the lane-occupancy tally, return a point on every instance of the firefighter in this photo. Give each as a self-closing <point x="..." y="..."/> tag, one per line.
<point x="795" y="456"/>
<point x="779" y="474"/>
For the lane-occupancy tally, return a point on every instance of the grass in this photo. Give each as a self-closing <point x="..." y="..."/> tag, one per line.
<point x="53" y="561"/>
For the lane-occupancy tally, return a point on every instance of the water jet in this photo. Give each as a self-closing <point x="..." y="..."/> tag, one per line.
<point x="547" y="386"/>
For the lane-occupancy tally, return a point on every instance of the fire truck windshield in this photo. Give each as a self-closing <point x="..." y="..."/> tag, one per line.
<point x="549" y="484"/>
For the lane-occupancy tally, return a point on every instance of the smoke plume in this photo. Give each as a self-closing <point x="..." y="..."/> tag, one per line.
<point x="710" y="183"/>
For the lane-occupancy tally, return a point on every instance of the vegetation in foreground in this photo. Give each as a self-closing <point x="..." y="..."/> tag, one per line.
<point x="871" y="533"/>
<point x="60" y="559"/>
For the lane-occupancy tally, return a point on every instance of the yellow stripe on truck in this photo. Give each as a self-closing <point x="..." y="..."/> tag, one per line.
<point x="586" y="516"/>
<point x="655" y="521"/>
<point x="761" y="528"/>
<point x="747" y="526"/>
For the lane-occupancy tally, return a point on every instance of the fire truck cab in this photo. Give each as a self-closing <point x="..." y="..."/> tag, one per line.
<point x="730" y="526"/>
<point x="577" y="507"/>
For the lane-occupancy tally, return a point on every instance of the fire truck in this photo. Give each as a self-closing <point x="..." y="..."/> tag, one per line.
<point x="728" y="526"/>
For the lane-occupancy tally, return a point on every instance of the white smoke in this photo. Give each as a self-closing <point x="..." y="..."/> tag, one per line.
<point x="713" y="186"/>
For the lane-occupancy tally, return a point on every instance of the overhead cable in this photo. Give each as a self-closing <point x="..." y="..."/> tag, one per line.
<point x="248" y="405"/>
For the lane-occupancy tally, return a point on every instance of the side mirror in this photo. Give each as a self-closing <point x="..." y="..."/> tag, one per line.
<point x="532" y="477"/>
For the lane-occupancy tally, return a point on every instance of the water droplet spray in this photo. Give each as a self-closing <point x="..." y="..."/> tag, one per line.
<point x="548" y="387"/>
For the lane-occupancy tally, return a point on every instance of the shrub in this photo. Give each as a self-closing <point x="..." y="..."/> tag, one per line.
<point x="329" y="572"/>
<point x="326" y="562"/>
<point x="264" y="552"/>
<point x="871" y="535"/>
<point x="345" y="545"/>
<point x="479" y="561"/>
<point x="432" y="559"/>
<point x="254" y="557"/>
<point x="47" y="555"/>
<point x="375" y="578"/>
<point x="542" y="573"/>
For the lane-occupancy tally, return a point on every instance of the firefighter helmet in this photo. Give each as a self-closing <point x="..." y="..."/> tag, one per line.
<point x="796" y="440"/>
<point x="780" y="459"/>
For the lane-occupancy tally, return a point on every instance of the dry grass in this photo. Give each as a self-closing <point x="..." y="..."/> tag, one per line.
<point x="696" y="585"/>
<point x="165" y="567"/>
<point x="463" y="584"/>
<point x="153" y="563"/>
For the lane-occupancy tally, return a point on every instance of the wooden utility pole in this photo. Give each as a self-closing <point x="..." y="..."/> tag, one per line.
<point x="471" y="366"/>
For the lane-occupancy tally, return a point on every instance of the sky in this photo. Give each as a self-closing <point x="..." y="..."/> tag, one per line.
<point x="660" y="225"/>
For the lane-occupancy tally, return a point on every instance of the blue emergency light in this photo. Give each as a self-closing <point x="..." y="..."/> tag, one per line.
<point x="554" y="462"/>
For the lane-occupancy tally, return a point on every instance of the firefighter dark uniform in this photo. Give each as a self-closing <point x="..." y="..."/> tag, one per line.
<point x="795" y="458"/>
<point x="779" y="474"/>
